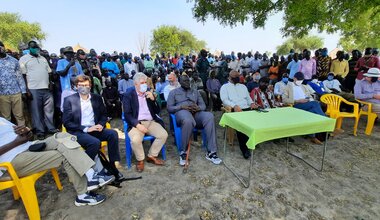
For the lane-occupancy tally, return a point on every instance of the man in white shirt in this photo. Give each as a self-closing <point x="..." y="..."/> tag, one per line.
<point x="85" y="116"/>
<point x="298" y="95"/>
<point x="279" y="87"/>
<point x="37" y="69"/>
<point x="173" y="84"/>
<point x="129" y="66"/>
<point x="332" y="84"/>
<point x="236" y="96"/>
<point x="233" y="64"/>
<point x="59" y="148"/>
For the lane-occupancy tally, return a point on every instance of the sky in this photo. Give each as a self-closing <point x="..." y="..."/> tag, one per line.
<point x="118" y="24"/>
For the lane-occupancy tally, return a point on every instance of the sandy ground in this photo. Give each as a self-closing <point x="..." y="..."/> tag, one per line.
<point x="282" y="187"/>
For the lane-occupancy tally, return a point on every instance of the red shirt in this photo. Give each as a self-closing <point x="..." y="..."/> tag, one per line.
<point x="369" y="62"/>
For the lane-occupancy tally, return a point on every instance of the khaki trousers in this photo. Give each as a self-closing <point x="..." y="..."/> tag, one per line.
<point x="75" y="161"/>
<point x="136" y="136"/>
<point x="12" y="104"/>
<point x="375" y="109"/>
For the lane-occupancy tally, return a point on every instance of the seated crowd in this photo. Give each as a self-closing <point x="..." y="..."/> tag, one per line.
<point x="81" y="92"/>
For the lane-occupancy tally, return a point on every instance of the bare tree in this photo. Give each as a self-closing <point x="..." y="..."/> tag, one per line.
<point x="142" y="44"/>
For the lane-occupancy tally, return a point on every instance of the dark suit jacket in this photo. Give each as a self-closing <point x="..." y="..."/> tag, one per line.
<point x="72" y="112"/>
<point x="131" y="108"/>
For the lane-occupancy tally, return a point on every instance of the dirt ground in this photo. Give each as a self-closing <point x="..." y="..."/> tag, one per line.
<point x="282" y="187"/>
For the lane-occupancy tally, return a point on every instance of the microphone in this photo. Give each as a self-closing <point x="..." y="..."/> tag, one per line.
<point x="146" y="94"/>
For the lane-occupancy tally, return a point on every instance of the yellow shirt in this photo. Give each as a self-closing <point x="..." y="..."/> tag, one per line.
<point x="339" y="67"/>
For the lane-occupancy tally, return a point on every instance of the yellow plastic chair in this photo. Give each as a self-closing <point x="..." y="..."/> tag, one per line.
<point x="103" y="144"/>
<point x="24" y="188"/>
<point x="333" y="110"/>
<point x="371" y="117"/>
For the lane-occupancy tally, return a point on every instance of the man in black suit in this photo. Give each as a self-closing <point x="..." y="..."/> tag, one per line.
<point x="141" y="113"/>
<point x="84" y="115"/>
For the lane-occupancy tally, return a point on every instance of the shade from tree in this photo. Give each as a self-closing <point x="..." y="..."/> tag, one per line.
<point x="356" y="20"/>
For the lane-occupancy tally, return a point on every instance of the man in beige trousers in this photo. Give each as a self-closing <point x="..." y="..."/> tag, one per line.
<point x="12" y="87"/>
<point x="141" y="113"/>
<point x="60" y="148"/>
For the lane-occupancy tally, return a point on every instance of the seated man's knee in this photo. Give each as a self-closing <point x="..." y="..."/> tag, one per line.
<point x="163" y="135"/>
<point x="208" y="116"/>
<point x="97" y="143"/>
<point x="188" y="122"/>
<point x="136" y="140"/>
<point x="113" y="134"/>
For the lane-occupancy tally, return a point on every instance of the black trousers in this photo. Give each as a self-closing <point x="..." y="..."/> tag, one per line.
<point x="91" y="143"/>
<point x="242" y="138"/>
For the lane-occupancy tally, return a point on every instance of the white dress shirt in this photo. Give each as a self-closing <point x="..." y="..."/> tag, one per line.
<point x="298" y="93"/>
<point x="87" y="113"/>
<point x="235" y="94"/>
<point x="333" y="84"/>
<point x="8" y="135"/>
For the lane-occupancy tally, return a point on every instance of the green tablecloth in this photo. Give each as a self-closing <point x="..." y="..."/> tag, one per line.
<point x="277" y="123"/>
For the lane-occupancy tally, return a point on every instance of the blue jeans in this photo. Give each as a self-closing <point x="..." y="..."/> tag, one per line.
<point x="312" y="106"/>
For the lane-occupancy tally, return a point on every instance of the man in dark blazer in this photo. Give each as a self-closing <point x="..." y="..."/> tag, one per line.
<point x="84" y="115"/>
<point x="141" y="113"/>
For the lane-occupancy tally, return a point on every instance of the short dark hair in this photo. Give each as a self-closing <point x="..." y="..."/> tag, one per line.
<point x="31" y="42"/>
<point x="264" y="79"/>
<point x="299" y="76"/>
<point x="82" y="78"/>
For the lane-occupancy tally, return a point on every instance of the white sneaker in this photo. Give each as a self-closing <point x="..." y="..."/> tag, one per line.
<point x="92" y="184"/>
<point x="104" y="179"/>
<point x="182" y="159"/>
<point x="90" y="199"/>
<point x="213" y="157"/>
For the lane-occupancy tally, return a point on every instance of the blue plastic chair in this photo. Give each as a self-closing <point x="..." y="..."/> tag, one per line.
<point x="128" y="146"/>
<point x="178" y="136"/>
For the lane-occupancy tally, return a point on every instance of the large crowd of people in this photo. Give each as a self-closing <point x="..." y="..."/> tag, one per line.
<point x="81" y="91"/>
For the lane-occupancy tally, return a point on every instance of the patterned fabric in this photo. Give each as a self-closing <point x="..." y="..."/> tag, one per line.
<point x="11" y="80"/>
<point x="263" y="99"/>
<point x="323" y="66"/>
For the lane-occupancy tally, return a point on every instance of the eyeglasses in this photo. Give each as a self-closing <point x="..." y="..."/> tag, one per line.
<point x="83" y="85"/>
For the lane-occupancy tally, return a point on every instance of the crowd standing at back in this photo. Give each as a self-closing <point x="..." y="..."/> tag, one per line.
<point x="82" y="91"/>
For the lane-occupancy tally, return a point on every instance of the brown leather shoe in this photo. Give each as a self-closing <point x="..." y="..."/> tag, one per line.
<point x="315" y="141"/>
<point x="140" y="166"/>
<point x="155" y="161"/>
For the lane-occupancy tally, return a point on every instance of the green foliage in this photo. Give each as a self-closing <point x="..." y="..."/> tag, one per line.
<point x="298" y="44"/>
<point x="14" y="31"/>
<point x="171" y="39"/>
<point x="299" y="16"/>
<point x="364" y="32"/>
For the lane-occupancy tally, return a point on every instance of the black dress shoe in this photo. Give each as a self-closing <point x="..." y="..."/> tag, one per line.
<point x="53" y="131"/>
<point x="40" y="137"/>
<point x="247" y="154"/>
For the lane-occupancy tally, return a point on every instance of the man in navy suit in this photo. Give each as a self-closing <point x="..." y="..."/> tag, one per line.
<point x="141" y="113"/>
<point x="84" y="115"/>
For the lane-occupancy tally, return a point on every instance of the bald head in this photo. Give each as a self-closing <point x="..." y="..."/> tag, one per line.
<point x="234" y="77"/>
<point x="234" y="73"/>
